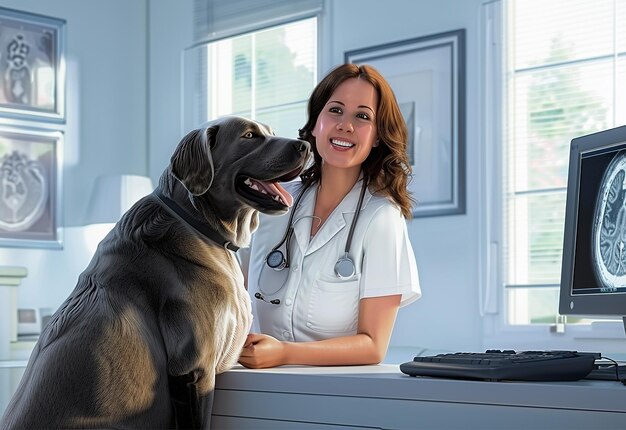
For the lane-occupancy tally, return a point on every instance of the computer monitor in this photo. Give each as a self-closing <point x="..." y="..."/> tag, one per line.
<point x="593" y="274"/>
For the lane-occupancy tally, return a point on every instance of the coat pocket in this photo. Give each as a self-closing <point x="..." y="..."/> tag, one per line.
<point x="334" y="307"/>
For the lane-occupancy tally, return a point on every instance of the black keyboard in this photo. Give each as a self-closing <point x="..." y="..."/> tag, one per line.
<point x="495" y="365"/>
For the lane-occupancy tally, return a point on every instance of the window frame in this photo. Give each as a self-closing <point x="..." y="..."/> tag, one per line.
<point x="605" y="336"/>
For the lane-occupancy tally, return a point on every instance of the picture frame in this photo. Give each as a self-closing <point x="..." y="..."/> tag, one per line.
<point x="31" y="188"/>
<point x="32" y="66"/>
<point x="427" y="75"/>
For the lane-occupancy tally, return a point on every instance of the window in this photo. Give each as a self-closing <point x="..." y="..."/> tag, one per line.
<point x="565" y="77"/>
<point x="266" y="75"/>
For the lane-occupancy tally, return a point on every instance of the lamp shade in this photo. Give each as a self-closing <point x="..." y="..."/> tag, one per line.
<point x="113" y="195"/>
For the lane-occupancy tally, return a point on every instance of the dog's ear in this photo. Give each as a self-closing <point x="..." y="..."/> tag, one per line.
<point x="192" y="163"/>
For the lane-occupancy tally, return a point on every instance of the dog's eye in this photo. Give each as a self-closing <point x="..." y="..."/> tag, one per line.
<point x="249" y="135"/>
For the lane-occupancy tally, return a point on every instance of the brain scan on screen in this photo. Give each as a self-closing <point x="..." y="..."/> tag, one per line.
<point x="609" y="227"/>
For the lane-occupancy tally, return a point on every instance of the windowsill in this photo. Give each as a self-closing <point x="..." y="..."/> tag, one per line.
<point x="600" y="330"/>
<point x="607" y="338"/>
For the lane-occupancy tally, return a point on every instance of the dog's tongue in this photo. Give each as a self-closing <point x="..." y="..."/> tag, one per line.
<point x="286" y="198"/>
<point x="275" y="189"/>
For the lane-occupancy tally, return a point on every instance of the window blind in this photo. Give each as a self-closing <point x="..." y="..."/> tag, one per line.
<point x="216" y="19"/>
<point x="266" y="74"/>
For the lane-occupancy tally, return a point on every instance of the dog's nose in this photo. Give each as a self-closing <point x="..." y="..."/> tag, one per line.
<point x="302" y="146"/>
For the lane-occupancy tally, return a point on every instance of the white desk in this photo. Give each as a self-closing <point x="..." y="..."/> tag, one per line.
<point x="383" y="397"/>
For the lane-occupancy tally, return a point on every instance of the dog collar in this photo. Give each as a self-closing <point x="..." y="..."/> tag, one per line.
<point x="202" y="228"/>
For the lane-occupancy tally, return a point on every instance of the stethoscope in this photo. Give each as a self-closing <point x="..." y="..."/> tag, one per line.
<point x="278" y="261"/>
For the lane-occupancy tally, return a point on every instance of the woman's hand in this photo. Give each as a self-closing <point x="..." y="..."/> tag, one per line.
<point x="261" y="350"/>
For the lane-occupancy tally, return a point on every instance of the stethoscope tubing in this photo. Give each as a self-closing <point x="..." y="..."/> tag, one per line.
<point x="344" y="268"/>
<point x="356" y="216"/>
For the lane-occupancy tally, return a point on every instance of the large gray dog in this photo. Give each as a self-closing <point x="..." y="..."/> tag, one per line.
<point x="161" y="308"/>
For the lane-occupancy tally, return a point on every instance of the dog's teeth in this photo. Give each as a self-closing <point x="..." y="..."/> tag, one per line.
<point x="264" y="192"/>
<point x="254" y="187"/>
<point x="248" y="182"/>
<point x="276" y="198"/>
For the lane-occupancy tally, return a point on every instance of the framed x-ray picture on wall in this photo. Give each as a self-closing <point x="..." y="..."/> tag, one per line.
<point x="30" y="188"/>
<point x="427" y="75"/>
<point x="32" y="66"/>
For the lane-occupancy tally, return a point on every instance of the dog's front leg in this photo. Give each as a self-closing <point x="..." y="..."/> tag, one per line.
<point x="192" y="410"/>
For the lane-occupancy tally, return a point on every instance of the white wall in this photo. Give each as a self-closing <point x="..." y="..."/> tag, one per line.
<point x="170" y="32"/>
<point x="124" y="107"/>
<point x="105" y="132"/>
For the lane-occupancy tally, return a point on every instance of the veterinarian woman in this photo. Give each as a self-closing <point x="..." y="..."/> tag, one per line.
<point x="325" y="285"/>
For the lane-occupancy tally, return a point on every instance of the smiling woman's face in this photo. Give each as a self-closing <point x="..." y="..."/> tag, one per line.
<point x="345" y="131"/>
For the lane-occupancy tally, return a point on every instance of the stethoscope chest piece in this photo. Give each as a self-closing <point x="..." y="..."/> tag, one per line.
<point x="276" y="260"/>
<point x="344" y="268"/>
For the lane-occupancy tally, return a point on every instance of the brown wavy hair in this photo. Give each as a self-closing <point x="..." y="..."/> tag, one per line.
<point x="386" y="168"/>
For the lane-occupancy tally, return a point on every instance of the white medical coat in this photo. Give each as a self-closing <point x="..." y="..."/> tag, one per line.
<point x="314" y="303"/>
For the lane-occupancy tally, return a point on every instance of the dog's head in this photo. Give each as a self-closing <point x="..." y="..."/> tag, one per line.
<point x="234" y="162"/>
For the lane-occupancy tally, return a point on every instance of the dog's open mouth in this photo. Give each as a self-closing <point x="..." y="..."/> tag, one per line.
<point x="267" y="192"/>
<point x="271" y="189"/>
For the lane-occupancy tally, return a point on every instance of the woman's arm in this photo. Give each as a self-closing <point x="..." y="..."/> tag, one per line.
<point x="369" y="346"/>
